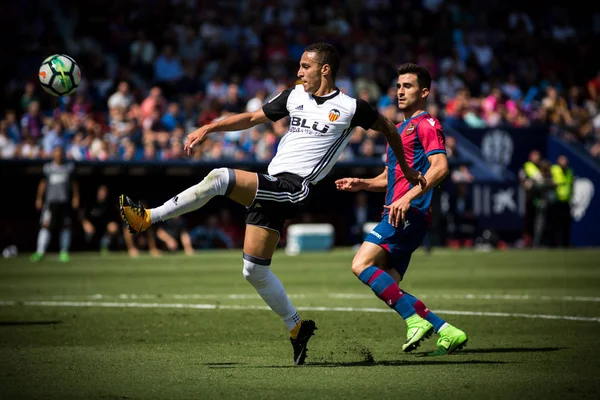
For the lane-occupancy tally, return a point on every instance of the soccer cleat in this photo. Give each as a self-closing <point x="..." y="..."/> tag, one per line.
<point x="35" y="257"/>
<point x="135" y="216"/>
<point x="451" y="339"/>
<point x="63" y="256"/>
<point x="418" y="330"/>
<point x="307" y="329"/>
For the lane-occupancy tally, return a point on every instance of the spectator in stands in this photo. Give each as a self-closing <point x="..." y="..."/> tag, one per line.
<point x="211" y="235"/>
<point x="32" y="121"/>
<point x="529" y="176"/>
<point x="232" y="229"/>
<point x="174" y="235"/>
<point x="100" y="221"/>
<point x="147" y="241"/>
<point x="544" y="195"/>
<point x="122" y="98"/>
<point x="560" y="209"/>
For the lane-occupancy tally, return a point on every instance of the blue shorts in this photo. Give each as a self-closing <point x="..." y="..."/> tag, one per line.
<point x="400" y="242"/>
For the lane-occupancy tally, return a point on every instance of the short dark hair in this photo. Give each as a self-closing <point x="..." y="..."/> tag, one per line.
<point x="326" y="54"/>
<point x="423" y="77"/>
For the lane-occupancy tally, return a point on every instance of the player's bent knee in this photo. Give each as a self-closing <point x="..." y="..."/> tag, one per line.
<point x="256" y="270"/>
<point x="220" y="180"/>
<point x="359" y="265"/>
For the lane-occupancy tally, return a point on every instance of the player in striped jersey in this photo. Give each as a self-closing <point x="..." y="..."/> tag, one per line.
<point x="383" y="258"/>
<point x="321" y="122"/>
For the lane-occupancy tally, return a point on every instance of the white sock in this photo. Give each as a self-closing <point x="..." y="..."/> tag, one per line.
<point x="218" y="182"/>
<point x="43" y="240"/>
<point x="270" y="288"/>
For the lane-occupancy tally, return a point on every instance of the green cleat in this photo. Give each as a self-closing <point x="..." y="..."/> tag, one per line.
<point x="451" y="339"/>
<point x="63" y="257"/>
<point x="35" y="257"/>
<point x="418" y="330"/>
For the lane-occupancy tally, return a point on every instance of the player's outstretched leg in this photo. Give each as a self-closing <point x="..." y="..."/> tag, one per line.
<point x="219" y="181"/>
<point x="386" y="288"/>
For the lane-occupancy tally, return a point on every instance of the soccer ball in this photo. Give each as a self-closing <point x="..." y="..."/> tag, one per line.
<point x="59" y="75"/>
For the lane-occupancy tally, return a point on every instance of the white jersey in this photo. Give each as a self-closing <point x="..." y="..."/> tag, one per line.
<point x="320" y="128"/>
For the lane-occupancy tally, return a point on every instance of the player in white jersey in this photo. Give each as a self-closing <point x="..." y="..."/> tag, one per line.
<point x="57" y="196"/>
<point x="321" y="122"/>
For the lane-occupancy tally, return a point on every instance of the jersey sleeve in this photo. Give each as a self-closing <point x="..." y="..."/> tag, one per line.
<point x="432" y="137"/>
<point x="365" y="115"/>
<point x="276" y="108"/>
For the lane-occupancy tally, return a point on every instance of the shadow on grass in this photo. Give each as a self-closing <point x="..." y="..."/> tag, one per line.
<point x="365" y="363"/>
<point x="26" y="323"/>
<point x="510" y="350"/>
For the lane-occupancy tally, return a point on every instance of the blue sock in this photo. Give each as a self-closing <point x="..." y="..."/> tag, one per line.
<point x="65" y="239"/>
<point x="384" y="287"/>
<point x="425" y="313"/>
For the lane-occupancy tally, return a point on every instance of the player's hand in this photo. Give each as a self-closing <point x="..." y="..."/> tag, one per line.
<point x="75" y="203"/>
<point x="349" y="184"/>
<point x="415" y="177"/>
<point x="38" y="204"/>
<point x="397" y="211"/>
<point x="195" y="138"/>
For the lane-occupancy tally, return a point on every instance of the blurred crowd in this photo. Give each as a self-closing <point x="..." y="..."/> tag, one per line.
<point x="155" y="70"/>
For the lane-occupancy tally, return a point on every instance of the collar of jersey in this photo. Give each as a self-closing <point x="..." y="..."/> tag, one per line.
<point x="323" y="99"/>
<point x="406" y="121"/>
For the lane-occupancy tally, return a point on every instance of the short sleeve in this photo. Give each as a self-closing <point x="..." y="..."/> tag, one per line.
<point x="431" y="136"/>
<point x="276" y="108"/>
<point x="365" y="115"/>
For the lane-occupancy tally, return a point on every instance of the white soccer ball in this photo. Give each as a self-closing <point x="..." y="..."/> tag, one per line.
<point x="10" y="251"/>
<point x="59" y="75"/>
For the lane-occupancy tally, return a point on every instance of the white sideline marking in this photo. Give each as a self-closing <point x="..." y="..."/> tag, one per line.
<point x="467" y="296"/>
<point x="232" y="307"/>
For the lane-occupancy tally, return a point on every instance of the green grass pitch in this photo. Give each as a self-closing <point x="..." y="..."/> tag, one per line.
<point x="179" y="327"/>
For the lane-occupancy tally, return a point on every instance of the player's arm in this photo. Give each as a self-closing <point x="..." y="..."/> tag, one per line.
<point x="236" y="122"/>
<point x="376" y="184"/>
<point x="369" y="118"/>
<point x="393" y="138"/>
<point x="436" y="173"/>
<point x="39" y="198"/>
<point x="272" y="111"/>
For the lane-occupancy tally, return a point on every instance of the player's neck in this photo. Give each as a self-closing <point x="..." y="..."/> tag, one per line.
<point x="407" y="114"/>
<point x="325" y="89"/>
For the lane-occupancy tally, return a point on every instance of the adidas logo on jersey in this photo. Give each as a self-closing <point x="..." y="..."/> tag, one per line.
<point x="300" y="107"/>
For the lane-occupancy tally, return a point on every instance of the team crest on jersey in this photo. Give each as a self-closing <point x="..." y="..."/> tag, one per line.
<point x="334" y="115"/>
<point x="410" y="129"/>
